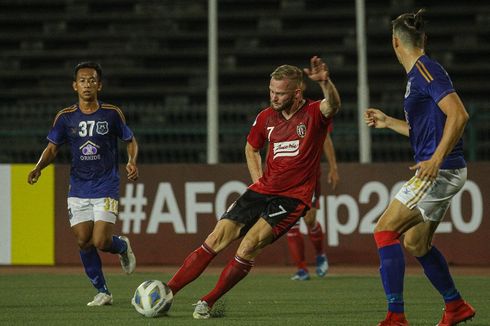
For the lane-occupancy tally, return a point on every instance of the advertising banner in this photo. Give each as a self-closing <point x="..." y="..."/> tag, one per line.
<point x="171" y="209"/>
<point x="26" y="216"/>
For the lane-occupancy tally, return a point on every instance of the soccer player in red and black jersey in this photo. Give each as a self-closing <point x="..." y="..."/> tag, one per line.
<point x="281" y="193"/>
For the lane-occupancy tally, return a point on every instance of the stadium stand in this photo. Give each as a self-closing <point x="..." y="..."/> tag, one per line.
<point x="154" y="56"/>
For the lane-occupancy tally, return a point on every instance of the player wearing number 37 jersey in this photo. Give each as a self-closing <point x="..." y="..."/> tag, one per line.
<point x="92" y="129"/>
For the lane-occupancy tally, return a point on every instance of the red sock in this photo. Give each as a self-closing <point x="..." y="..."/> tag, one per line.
<point x="316" y="236"/>
<point x="296" y="246"/>
<point x="233" y="273"/>
<point x="193" y="266"/>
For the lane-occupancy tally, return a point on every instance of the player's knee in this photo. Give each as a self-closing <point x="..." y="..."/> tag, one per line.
<point x="248" y="249"/>
<point x="379" y="228"/>
<point x="102" y="243"/>
<point x="84" y="244"/>
<point x="415" y="248"/>
<point x="213" y="240"/>
<point x="310" y="220"/>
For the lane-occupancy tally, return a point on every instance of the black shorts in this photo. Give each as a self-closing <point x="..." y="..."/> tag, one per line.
<point x="280" y="212"/>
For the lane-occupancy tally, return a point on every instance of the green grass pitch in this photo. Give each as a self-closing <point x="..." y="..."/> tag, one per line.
<point x="260" y="299"/>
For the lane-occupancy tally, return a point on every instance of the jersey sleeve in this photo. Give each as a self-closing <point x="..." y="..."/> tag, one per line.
<point x="441" y="85"/>
<point x="57" y="134"/>
<point x="257" y="136"/>
<point x="122" y="129"/>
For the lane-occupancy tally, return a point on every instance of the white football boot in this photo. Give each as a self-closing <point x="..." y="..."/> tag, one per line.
<point x="202" y="310"/>
<point x="101" y="299"/>
<point x="127" y="259"/>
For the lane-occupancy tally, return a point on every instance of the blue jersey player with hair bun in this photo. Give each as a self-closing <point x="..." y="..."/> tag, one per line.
<point x="92" y="129"/>
<point x="435" y="118"/>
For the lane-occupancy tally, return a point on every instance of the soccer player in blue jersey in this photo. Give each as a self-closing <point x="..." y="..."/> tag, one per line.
<point x="92" y="129"/>
<point x="435" y="118"/>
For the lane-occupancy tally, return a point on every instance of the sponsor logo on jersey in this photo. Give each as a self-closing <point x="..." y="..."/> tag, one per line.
<point x="301" y="130"/>
<point x="102" y="127"/>
<point x="286" y="148"/>
<point x="89" y="151"/>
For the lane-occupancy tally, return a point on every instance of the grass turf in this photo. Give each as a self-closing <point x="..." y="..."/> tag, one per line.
<point x="260" y="299"/>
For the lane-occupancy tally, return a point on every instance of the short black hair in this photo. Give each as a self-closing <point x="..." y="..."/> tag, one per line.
<point x="88" y="64"/>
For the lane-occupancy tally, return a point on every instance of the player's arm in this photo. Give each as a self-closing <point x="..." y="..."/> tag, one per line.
<point x="47" y="156"/>
<point x="330" y="105"/>
<point x="131" y="167"/>
<point x="318" y="72"/>
<point x="377" y="119"/>
<point x="254" y="162"/>
<point x="329" y="150"/>
<point x="456" y="119"/>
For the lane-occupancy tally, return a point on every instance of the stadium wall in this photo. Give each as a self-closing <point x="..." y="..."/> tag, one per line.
<point x="169" y="211"/>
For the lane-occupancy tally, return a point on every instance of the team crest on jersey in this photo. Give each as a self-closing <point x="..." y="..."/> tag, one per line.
<point x="102" y="127"/>
<point x="407" y="90"/>
<point x="301" y="130"/>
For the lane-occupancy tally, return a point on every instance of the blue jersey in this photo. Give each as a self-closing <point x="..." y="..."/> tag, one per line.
<point x="93" y="140"/>
<point x="428" y="83"/>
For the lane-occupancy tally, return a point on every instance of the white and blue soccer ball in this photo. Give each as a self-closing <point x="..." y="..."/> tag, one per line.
<point x="152" y="298"/>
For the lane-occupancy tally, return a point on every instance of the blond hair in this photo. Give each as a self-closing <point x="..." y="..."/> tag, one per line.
<point x="292" y="73"/>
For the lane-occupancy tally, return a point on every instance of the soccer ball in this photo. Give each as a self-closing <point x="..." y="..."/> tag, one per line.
<point x="152" y="298"/>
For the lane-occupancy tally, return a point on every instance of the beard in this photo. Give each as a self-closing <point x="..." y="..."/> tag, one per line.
<point x="286" y="105"/>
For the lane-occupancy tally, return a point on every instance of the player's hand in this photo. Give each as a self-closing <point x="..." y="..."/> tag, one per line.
<point x="375" y="118"/>
<point x="318" y="70"/>
<point x="427" y="170"/>
<point x="33" y="176"/>
<point x="132" y="171"/>
<point x="333" y="178"/>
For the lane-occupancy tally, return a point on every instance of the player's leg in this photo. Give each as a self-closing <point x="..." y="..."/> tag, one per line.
<point x="105" y="215"/>
<point x="317" y="238"/>
<point x="395" y="221"/>
<point x="296" y="246"/>
<point x="82" y="225"/>
<point x="89" y="256"/>
<point x="256" y="238"/>
<point x="280" y="215"/>
<point x="225" y="232"/>
<point x="418" y="241"/>
<point x="244" y="211"/>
